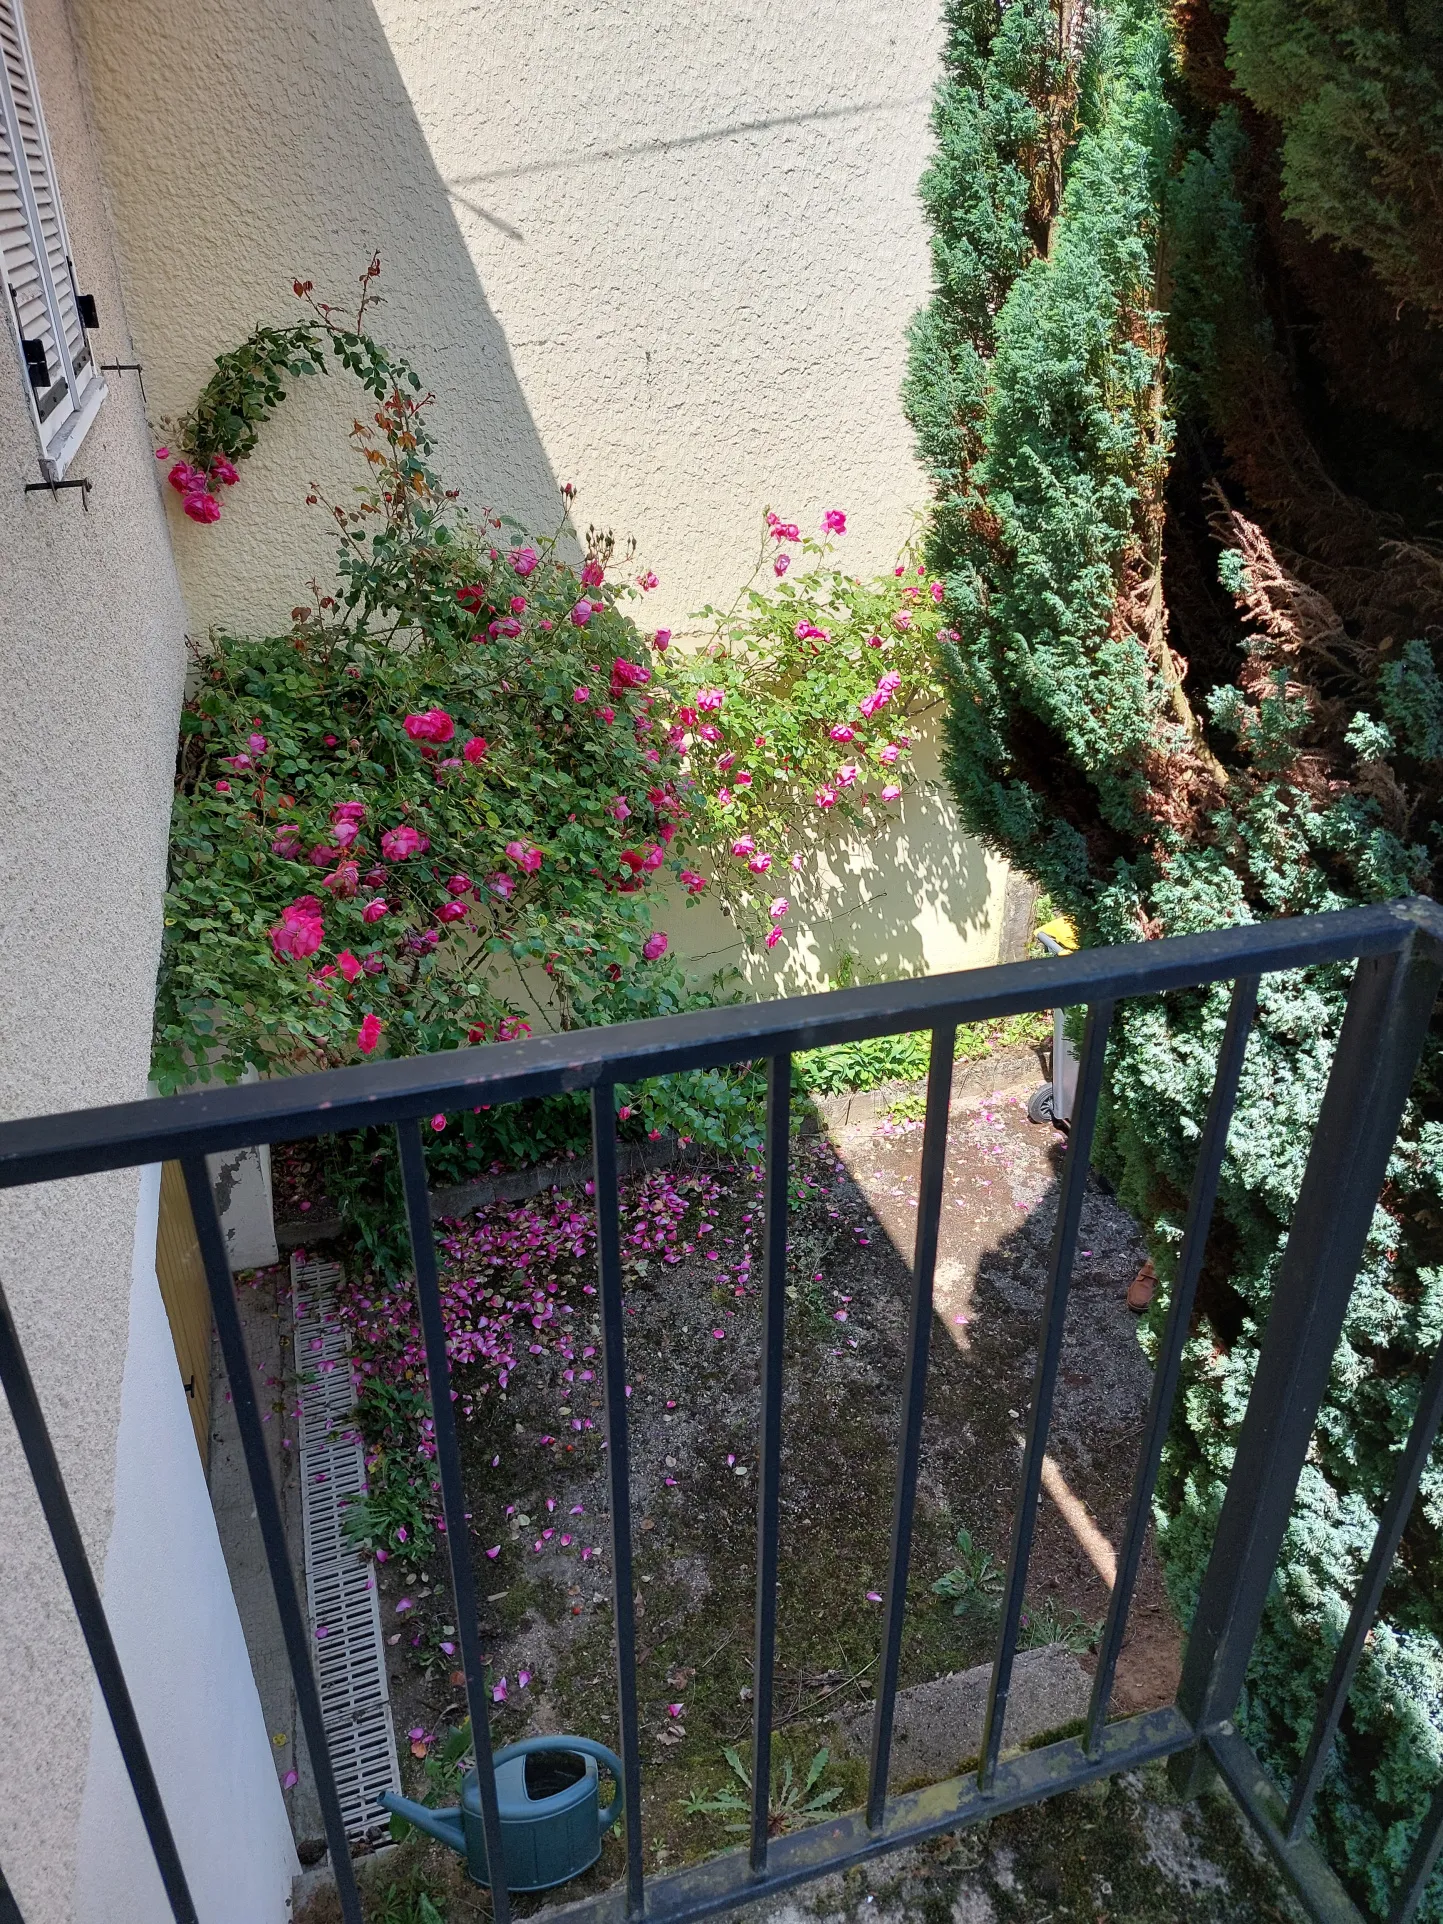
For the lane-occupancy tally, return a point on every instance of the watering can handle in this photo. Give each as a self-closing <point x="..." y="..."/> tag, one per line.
<point x="529" y="1746"/>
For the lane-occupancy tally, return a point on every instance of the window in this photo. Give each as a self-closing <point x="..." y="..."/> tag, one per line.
<point x="48" y="314"/>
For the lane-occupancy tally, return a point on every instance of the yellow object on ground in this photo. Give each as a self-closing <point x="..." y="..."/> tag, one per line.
<point x="1062" y="933"/>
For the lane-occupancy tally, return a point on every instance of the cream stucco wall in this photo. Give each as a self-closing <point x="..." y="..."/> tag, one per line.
<point x="665" y="251"/>
<point x="920" y="899"/>
<point x="92" y="664"/>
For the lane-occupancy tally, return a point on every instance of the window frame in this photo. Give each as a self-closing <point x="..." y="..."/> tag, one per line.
<point x="76" y="388"/>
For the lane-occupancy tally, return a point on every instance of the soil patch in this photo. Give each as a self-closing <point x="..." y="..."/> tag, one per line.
<point x="536" y="1467"/>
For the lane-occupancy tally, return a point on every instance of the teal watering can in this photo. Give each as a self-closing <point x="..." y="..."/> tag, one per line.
<point x="551" y="1822"/>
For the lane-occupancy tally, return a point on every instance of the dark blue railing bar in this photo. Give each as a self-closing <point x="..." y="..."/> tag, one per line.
<point x="914" y="1398"/>
<point x="284" y="1108"/>
<point x="241" y="1381"/>
<point x="618" y="1451"/>
<point x="34" y="1436"/>
<point x="769" y="1468"/>
<point x="1411" y="1465"/>
<point x="9" y="1909"/>
<point x="1389" y="1006"/>
<point x="1312" y="1881"/>
<point x="1049" y="1355"/>
<point x="453" y="1502"/>
<point x="1206" y="1177"/>
<point x="1421" y="1864"/>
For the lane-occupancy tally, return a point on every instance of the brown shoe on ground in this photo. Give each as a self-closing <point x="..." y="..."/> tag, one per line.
<point x="1142" y="1289"/>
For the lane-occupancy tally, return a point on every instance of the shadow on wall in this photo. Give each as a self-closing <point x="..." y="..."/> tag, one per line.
<point x="922" y="898"/>
<point x="288" y="121"/>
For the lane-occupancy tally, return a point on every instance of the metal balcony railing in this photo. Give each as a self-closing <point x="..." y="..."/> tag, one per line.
<point x="1398" y="952"/>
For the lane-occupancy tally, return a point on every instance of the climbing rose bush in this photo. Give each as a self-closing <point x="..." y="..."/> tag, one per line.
<point x="798" y="711"/>
<point x="438" y="810"/>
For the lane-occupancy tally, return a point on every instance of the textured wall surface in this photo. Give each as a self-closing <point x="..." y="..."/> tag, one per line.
<point x="198" y="1708"/>
<point x="91" y="662"/>
<point x="919" y="900"/>
<point x="661" y="250"/>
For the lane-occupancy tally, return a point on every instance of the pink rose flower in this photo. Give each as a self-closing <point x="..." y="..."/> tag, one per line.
<point x="258" y="744"/>
<point x="287" y="843"/>
<point x="628" y="674"/>
<point x="581" y="694"/>
<point x="184" y="478"/>
<point x="834" y="522"/>
<point x="348" y="812"/>
<point x="223" y="471"/>
<point x="434" y="725"/>
<point x="202" y="507"/>
<point x="373" y="911"/>
<point x="654" y="947"/>
<point x="692" y="882"/>
<point x="743" y="845"/>
<point x="620" y="808"/>
<point x="523" y="560"/>
<point x="592" y="574"/>
<point x="937" y="591"/>
<point x="475" y="749"/>
<point x="709" y="701"/>
<point x="348" y="965"/>
<point x="826" y="797"/>
<point x="902" y="619"/>
<point x="846" y="775"/>
<point x="458" y="884"/>
<point x="891" y="792"/>
<point x="240" y="763"/>
<point x="398" y="843"/>
<point x="779" y="908"/>
<point x="343" y="880"/>
<point x="647" y="581"/>
<point x="709" y="732"/>
<point x="506" y="625"/>
<point x="773" y="937"/>
<point x="759" y="863"/>
<point x="743" y="779"/>
<point x="687" y="717"/>
<point x="786" y="531"/>
<point x="581" y="613"/>
<point x="781" y="564"/>
<point x="661" y="640"/>
<point x="526" y="857"/>
<point x="300" y="931"/>
<point x="451" y="912"/>
<point x="367" y="1036"/>
<point x="502" y="885"/>
<point x="518" y="604"/>
<point x="889" y="753"/>
<point x="608" y="715"/>
<point x="843" y="732"/>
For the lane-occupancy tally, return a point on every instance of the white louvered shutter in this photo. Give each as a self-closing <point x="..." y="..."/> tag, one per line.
<point x="59" y="370"/>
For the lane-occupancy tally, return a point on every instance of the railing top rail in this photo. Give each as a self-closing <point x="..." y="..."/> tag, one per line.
<point x="122" y="1135"/>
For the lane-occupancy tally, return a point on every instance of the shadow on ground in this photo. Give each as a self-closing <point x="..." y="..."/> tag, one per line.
<point x="536" y="1478"/>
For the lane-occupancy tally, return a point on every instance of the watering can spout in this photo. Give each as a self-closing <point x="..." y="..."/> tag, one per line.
<point x="443" y="1825"/>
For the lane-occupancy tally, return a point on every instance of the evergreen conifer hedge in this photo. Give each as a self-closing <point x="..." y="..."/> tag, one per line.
<point x="1180" y="393"/>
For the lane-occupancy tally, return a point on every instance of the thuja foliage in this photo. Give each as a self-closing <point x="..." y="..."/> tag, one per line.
<point x="1181" y="397"/>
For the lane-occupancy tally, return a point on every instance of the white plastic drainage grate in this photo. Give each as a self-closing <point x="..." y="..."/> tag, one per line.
<point x="340" y="1585"/>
